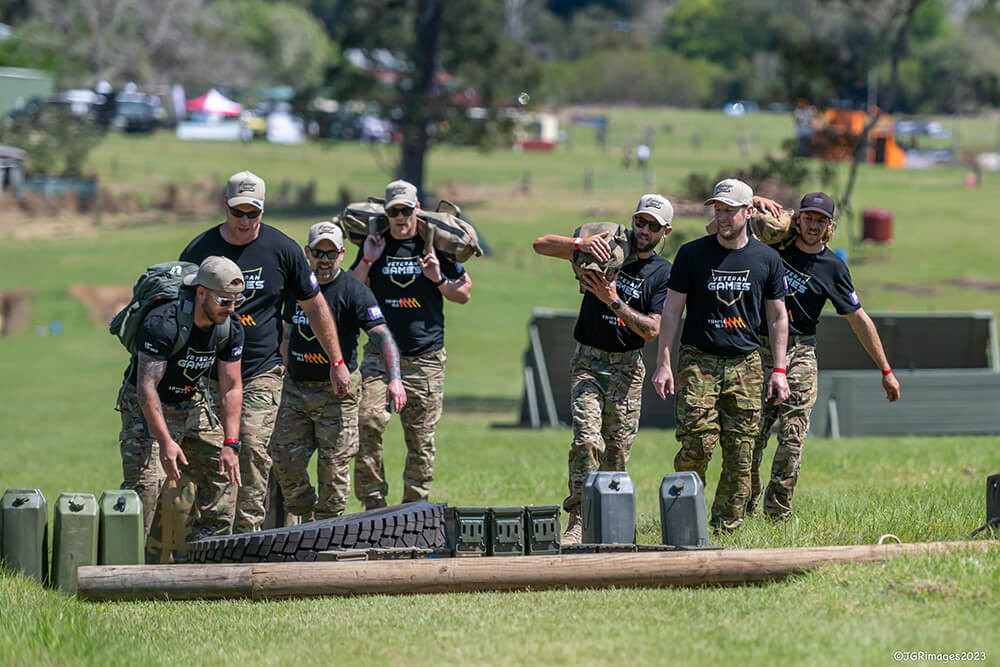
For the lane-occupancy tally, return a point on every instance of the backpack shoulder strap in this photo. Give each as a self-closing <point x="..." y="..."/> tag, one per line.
<point x="185" y="320"/>
<point x="223" y="331"/>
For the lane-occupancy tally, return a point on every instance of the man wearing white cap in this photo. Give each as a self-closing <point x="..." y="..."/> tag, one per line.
<point x="274" y="269"/>
<point x="726" y="281"/>
<point x="168" y="426"/>
<point x="411" y="284"/>
<point x="616" y="318"/>
<point x="310" y="418"/>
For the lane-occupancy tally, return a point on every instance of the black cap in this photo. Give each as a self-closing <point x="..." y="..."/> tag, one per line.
<point x="819" y="202"/>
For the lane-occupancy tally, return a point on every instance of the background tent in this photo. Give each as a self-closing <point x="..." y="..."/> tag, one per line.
<point x="215" y="102"/>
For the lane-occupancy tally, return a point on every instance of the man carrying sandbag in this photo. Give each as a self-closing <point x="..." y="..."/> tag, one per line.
<point x="410" y="283"/>
<point x="619" y="313"/>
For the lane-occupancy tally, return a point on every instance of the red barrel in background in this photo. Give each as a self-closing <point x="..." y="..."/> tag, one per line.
<point x="876" y="225"/>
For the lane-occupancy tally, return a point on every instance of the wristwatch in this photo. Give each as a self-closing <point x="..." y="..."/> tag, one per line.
<point x="232" y="442"/>
<point x="616" y="305"/>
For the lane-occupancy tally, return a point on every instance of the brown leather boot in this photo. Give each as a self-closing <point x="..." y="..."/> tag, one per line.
<point x="574" y="529"/>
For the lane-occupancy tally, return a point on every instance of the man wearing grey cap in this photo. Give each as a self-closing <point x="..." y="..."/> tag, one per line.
<point x="310" y="418"/>
<point x="616" y="318"/>
<point x="168" y="426"/>
<point x="814" y="275"/>
<point x="411" y="284"/>
<point x="726" y="281"/>
<point x="273" y="269"/>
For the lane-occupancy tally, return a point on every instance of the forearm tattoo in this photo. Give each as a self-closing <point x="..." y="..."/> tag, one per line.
<point x="149" y="374"/>
<point x="387" y="346"/>
<point x="644" y="325"/>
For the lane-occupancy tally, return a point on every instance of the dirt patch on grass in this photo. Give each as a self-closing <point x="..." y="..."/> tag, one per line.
<point x="976" y="284"/>
<point x="15" y="310"/>
<point x="102" y="302"/>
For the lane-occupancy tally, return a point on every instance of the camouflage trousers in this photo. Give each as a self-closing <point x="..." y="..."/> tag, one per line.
<point x="261" y="397"/>
<point x="196" y="429"/>
<point x="311" y="419"/>
<point x="423" y="379"/>
<point x="792" y="417"/>
<point x="605" y="397"/>
<point x="718" y="399"/>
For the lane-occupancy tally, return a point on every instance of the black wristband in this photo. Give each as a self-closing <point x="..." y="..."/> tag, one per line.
<point x="440" y="282"/>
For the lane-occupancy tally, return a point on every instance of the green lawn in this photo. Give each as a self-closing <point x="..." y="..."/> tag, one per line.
<point x="59" y="428"/>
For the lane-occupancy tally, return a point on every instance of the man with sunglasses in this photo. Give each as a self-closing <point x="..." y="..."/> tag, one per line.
<point x="726" y="281"/>
<point x="616" y="319"/>
<point x="814" y="275"/>
<point x="167" y="421"/>
<point x="411" y="284"/>
<point x="274" y="270"/>
<point x="310" y="419"/>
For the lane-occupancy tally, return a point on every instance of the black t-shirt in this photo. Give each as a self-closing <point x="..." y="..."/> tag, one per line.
<point x="812" y="279"/>
<point x="725" y="292"/>
<point x="354" y="308"/>
<point x="156" y="337"/>
<point x="642" y="285"/>
<point x="412" y="305"/>
<point x="274" y="269"/>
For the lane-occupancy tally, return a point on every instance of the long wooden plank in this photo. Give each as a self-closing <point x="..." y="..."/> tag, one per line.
<point x="164" y="582"/>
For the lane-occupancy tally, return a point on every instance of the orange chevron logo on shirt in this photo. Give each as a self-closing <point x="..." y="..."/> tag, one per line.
<point x="314" y="358"/>
<point x="409" y="302"/>
<point x="247" y="320"/>
<point x="733" y="323"/>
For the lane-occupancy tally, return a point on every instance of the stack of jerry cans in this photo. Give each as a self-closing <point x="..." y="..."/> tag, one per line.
<point x="506" y="533"/>
<point x="683" y="518"/>
<point x="608" y="510"/>
<point x="541" y="525"/>
<point x="121" y="530"/>
<point x="465" y="530"/>
<point x="74" y="538"/>
<point x="26" y="532"/>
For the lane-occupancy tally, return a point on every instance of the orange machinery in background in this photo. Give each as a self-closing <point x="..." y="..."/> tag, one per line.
<point x="837" y="134"/>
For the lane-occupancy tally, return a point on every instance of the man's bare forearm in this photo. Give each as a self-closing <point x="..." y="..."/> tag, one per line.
<point x="148" y="375"/>
<point x="382" y="338"/>
<point x="647" y="326"/>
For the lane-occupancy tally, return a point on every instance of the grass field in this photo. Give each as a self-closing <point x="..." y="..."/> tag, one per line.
<point x="59" y="428"/>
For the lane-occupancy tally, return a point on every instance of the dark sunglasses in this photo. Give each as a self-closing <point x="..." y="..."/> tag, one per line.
<point x="654" y="226"/>
<point x="225" y="302"/>
<point x="395" y="211"/>
<point x="324" y="254"/>
<point x="237" y="213"/>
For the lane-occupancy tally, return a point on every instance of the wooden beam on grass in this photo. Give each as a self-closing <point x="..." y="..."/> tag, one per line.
<point x="260" y="581"/>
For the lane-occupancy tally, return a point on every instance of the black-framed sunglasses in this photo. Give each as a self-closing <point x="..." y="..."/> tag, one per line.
<point x="226" y="301"/>
<point x="237" y="213"/>
<point x="324" y="254"/>
<point x="654" y="226"/>
<point x="395" y="211"/>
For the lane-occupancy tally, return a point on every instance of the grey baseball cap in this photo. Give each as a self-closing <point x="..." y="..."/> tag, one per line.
<point x="245" y="188"/>
<point x="400" y="192"/>
<point x="218" y="273"/>
<point x="326" y="230"/>
<point x="656" y="206"/>
<point x="733" y="192"/>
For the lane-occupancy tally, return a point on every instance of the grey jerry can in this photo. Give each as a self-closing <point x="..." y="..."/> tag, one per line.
<point x="74" y="538"/>
<point x="608" y="508"/>
<point x="683" y="519"/>
<point x="122" y="539"/>
<point x="26" y="532"/>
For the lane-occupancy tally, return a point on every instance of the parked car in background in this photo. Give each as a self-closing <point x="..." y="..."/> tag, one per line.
<point x="136" y="112"/>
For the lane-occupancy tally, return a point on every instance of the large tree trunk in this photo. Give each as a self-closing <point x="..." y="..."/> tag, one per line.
<point x="418" y="99"/>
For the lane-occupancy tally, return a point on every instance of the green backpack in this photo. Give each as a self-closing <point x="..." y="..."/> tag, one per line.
<point x="160" y="284"/>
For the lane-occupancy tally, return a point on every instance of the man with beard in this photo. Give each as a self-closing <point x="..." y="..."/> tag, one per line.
<point x="616" y="318"/>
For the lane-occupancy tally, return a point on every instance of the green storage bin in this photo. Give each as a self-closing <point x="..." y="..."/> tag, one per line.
<point x="506" y="531"/>
<point x="541" y="523"/>
<point x="26" y="532"/>
<point x="74" y="538"/>
<point x="122" y="539"/>
<point x="465" y="530"/>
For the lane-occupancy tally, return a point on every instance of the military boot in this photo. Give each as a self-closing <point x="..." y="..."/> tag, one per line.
<point x="574" y="529"/>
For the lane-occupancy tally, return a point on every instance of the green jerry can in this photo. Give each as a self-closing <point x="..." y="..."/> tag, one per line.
<point x="26" y="532"/>
<point x="74" y="538"/>
<point x="121" y="528"/>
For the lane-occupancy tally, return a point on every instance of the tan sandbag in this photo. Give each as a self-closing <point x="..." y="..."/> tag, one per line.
<point x="616" y="237"/>
<point x="778" y="231"/>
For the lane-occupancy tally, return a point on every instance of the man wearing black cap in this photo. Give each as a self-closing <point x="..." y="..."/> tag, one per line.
<point x="167" y="421"/>
<point x="814" y="274"/>
<point x="616" y="319"/>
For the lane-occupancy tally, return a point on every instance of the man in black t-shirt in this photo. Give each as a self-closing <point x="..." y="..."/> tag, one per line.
<point x="273" y="268"/>
<point x="726" y="281"/>
<point x="310" y="418"/>
<point x="167" y="421"/>
<point x="814" y="274"/>
<point x="616" y="318"/>
<point x="411" y="284"/>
